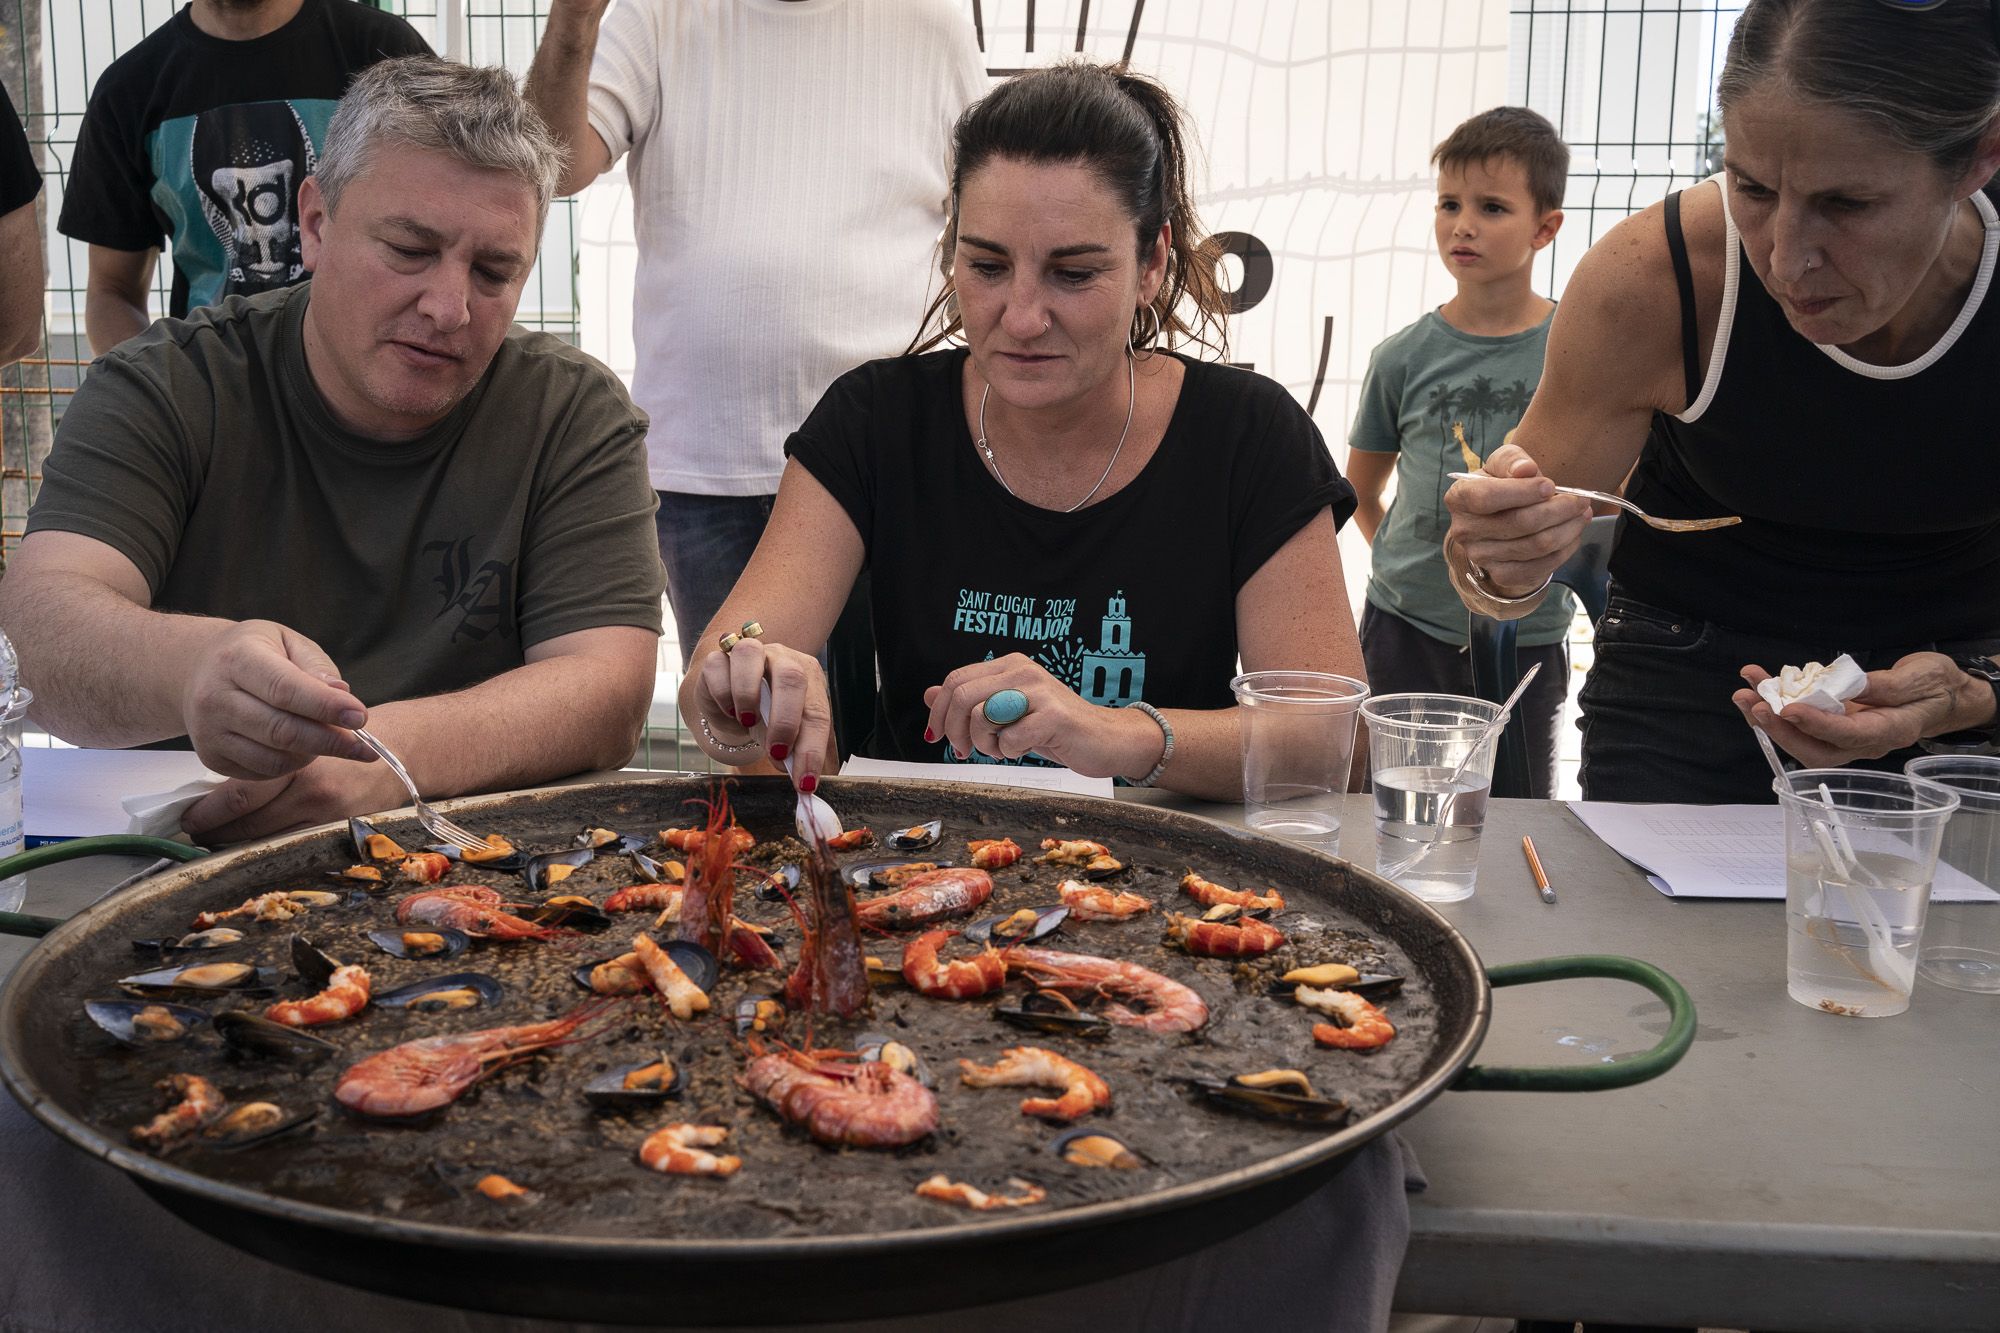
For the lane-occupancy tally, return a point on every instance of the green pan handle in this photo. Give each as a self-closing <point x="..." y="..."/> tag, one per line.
<point x="1589" y="1078"/>
<point x="115" y="844"/>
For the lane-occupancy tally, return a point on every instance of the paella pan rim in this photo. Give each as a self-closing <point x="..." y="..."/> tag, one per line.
<point x="153" y="1172"/>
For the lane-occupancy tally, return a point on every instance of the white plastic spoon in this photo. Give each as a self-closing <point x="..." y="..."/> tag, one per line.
<point x="815" y="818"/>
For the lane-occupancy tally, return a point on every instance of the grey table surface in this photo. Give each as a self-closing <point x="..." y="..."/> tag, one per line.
<point x="1796" y="1171"/>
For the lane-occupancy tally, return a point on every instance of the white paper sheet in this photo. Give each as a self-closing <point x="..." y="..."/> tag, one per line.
<point x="1722" y="851"/>
<point x="993" y="775"/>
<point x="77" y="793"/>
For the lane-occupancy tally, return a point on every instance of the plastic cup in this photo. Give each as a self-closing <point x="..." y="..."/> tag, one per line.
<point x="1961" y="945"/>
<point x="1415" y="743"/>
<point x="1298" y="746"/>
<point x="1860" y="850"/>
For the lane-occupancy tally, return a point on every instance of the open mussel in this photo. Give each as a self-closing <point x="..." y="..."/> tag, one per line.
<point x="202" y="979"/>
<point x="253" y="1123"/>
<point x="1275" y="1094"/>
<point x="1052" y="1011"/>
<point x="888" y="874"/>
<point x="494" y="851"/>
<point x="759" y="1015"/>
<point x="311" y="963"/>
<point x="1023" y="927"/>
<point x="544" y="872"/>
<point x="650" y="871"/>
<point x="876" y="1048"/>
<point x="567" y="912"/>
<point x="917" y="837"/>
<point x="883" y="971"/>
<point x="609" y="841"/>
<point x="145" y="1022"/>
<point x="252" y="1035"/>
<point x="1338" y="976"/>
<point x="201" y="941"/>
<point x="625" y="975"/>
<point x="371" y="844"/>
<point x="776" y="886"/>
<point x="1092" y="1147"/>
<point x="457" y="990"/>
<point x="423" y="942"/>
<point x="636" y="1087"/>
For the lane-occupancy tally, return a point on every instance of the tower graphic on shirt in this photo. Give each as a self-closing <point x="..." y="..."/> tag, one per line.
<point x="1113" y="675"/>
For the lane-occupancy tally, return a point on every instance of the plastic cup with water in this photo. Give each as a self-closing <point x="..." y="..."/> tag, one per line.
<point x="1298" y="748"/>
<point x="1961" y="945"/>
<point x="1415" y="742"/>
<point x="1860" y="851"/>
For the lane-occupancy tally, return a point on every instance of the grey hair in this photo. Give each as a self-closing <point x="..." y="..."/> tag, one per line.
<point x="475" y="114"/>
<point x="1928" y="80"/>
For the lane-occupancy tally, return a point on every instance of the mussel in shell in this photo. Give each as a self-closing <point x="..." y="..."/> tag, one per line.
<point x="1053" y="1012"/>
<point x="567" y="912"/>
<point x="217" y="937"/>
<point x="252" y="1035"/>
<point x="311" y="963"/>
<point x="777" y="885"/>
<point x="650" y="871"/>
<point x="1022" y="927"/>
<point x="884" y="971"/>
<point x="493" y="850"/>
<point x="254" y="1122"/>
<point x="202" y="979"/>
<point x="916" y="837"/>
<point x="457" y="990"/>
<point x="145" y="1022"/>
<point x="546" y="871"/>
<point x="1274" y="1094"/>
<point x="609" y="841"/>
<point x="698" y="963"/>
<point x="635" y="1087"/>
<point x="889" y="874"/>
<point x="759" y="1014"/>
<point x="876" y="1048"/>
<point x="1338" y="976"/>
<point x="371" y="844"/>
<point x="1092" y="1147"/>
<point x="424" y="942"/>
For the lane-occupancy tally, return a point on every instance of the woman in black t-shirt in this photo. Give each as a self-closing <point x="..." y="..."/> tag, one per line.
<point x="1807" y="343"/>
<point x="1062" y="508"/>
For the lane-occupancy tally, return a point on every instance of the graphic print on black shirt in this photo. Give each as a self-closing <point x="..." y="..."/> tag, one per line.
<point x="245" y="163"/>
<point x="1109" y="673"/>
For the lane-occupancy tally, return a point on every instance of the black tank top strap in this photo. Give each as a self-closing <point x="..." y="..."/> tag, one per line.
<point x="1677" y="246"/>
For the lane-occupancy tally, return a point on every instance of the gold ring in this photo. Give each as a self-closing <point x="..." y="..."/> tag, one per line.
<point x="752" y="630"/>
<point x="730" y="641"/>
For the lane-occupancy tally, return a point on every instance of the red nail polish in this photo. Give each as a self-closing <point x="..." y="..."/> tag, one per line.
<point x="809" y="783"/>
<point x="930" y="736"/>
<point x="747" y="719"/>
<point x="779" y="751"/>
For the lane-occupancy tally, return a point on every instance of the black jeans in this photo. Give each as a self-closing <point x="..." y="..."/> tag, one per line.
<point x="1658" y="721"/>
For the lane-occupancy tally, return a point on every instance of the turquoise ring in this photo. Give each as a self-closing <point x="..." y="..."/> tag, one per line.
<point x="1005" y="707"/>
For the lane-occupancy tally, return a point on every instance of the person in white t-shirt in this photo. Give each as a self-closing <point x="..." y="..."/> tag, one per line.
<point x="788" y="181"/>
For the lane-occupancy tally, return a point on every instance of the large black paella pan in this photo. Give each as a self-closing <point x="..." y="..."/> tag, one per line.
<point x="391" y="1206"/>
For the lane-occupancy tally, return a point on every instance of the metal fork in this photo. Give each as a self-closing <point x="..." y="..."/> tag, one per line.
<point x="1663" y="524"/>
<point x="434" y="823"/>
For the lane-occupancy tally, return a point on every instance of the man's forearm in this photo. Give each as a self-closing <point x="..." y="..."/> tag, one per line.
<point x="105" y="671"/>
<point x="109" y="319"/>
<point x="559" y="82"/>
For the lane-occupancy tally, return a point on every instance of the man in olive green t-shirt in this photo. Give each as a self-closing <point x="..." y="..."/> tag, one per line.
<point x="368" y="498"/>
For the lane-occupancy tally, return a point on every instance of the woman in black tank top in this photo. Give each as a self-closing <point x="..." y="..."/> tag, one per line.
<point x="1808" y="342"/>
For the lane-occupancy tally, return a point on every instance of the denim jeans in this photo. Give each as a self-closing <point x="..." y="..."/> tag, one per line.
<point x="705" y="541"/>
<point x="1658" y="721"/>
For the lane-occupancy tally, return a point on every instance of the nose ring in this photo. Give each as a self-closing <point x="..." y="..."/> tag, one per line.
<point x="1048" y="324"/>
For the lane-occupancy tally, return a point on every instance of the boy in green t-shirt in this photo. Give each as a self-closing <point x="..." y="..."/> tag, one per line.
<point x="1447" y="391"/>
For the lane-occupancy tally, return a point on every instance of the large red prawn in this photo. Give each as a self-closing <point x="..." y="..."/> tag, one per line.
<point x="431" y="1072"/>
<point x="843" y="1101"/>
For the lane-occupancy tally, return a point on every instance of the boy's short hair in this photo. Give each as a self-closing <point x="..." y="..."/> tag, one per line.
<point x="1520" y="134"/>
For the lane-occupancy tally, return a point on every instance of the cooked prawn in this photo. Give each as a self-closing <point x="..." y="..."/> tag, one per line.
<point x="1035" y="1066"/>
<point x="195" y="1103"/>
<point x="1171" y="1007"/>
<point x="1094" y="902"/>
<point x="867" y="1105"/>
<point x="346" y="995"/>
<point x="623" y="975"/>
<point x="472" y="908"/>
<point x="264" y="907"/>
<point x="431" y="1072"/>
<point x="690" y="840"/>
<point x="851" y="839"/>
<point x="1244" y="938"/>
<point x="993" y="853"/>
<point x="646" y="898"/>
<point x="1091" y="857"/>
<point x="1214" y="895"/>
<point x="677" y="1150"/>
<point x="926" y="898"/>
<point x="683" y="997"/>
<point x="424" y="867"/>
<point x="946" y="1190"/>
<point x="1357" y="1025"/>
<point x="960" y="980"/>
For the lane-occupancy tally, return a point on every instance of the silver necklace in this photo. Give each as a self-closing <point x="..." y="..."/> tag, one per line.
<point x="1131" y="401"/>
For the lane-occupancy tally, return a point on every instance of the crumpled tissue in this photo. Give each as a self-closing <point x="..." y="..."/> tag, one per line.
<point x="1814" y="686"/>
<point x="158" y="814"/>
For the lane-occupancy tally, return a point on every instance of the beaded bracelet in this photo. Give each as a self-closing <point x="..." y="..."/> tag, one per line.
<point x="717" y="741"/>
<point x="1167" y="730"/>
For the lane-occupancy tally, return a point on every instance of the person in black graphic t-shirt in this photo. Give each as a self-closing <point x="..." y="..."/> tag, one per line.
<point x="1062" y="508"/>
<point x="1807" y="344"/>
<point x="200" y="136"/>
<point x="21" y="275"/>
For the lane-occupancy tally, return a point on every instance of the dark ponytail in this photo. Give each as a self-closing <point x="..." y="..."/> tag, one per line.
<point x="1127" y="129"/>
<point x="1927" y="79"/>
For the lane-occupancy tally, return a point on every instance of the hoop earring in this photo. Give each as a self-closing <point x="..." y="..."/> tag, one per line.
<point x="1135" y="341"/>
